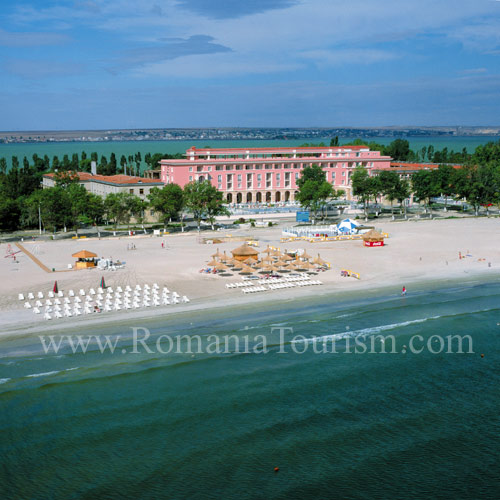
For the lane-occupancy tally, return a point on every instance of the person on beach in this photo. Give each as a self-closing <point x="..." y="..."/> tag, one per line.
<point x="404" y="291"/>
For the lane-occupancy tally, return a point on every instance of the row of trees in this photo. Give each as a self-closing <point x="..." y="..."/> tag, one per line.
<point x="69" y="205"/>
<point x="130" y="164"/>
<point x="479" y="185"/>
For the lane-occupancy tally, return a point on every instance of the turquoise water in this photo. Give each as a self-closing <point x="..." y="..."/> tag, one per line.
<point x="344" y="425"/>
<point x="131" y="147"/>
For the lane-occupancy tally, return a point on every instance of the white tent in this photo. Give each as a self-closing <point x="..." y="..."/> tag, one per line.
<point x="347" y="226"/>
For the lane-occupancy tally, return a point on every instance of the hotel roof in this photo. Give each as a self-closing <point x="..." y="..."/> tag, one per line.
<point x="117" y="180"/>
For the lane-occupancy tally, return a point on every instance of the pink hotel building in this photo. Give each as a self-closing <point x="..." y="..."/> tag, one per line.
<point x="263" y="175"/>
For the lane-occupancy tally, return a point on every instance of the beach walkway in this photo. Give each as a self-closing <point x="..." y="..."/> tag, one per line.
<point x="33" y="258"/>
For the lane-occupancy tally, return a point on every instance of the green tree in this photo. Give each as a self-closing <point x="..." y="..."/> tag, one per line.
<point x="479" y="185"/>
<point x="3" y="166"/>
<point x="203" y="200"/>
<point x="403" y="192"/>
<point x="425" y="186"/>
<point x="9" y="214"/>
<point x="334" y="141"/>
<point x="389" y="183"/>
<point x="444" y="181"/>
<point x="314" y="189"/>
<point x="398" y="149"/>
<point x="362" y="187"/>
<point x="167" y="201"/>
<point x="119" y="207"/>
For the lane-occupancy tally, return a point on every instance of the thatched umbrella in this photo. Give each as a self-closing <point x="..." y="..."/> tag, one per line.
<point x="243" y="252"/>
<point x="269" y="269"/>
<point x="286" y="257"/>
<point x="221" y="267"/>
<point x="267" y="259"/>
<point x="246" y="270"/>
<point x="305" y="255"/>
<point x="224" y="257"/>
<point x="216" y="254"/>
<point x="279" y="263"/>
<point x="212" y="263"/>
<point x="290" y="267"/>
<point x="318" y="260"/>
<point x="250" y="261"/>
<point x="268" y="250"/>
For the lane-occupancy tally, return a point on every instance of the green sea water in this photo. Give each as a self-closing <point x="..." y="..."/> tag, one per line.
<point x="347" y="425"/>
<point x="131" y="147"/>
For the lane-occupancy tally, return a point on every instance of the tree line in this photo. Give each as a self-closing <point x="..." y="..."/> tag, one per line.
<point x="478" y="185"/>
<point x="69" y="205"/>
<point x="399" y="150"/>
<point x="130" y="165"/>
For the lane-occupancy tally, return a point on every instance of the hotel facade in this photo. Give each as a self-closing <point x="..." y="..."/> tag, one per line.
<point x="268" y="175"/>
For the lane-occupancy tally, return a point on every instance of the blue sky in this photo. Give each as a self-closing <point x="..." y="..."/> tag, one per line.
<point x="99" y="64"/>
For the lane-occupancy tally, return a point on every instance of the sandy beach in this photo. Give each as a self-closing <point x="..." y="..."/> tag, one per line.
<point x="416" y="251"/>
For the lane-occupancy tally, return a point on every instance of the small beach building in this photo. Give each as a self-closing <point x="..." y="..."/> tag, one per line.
<point x="373" y="238"/>
<point x="85" y="259"/>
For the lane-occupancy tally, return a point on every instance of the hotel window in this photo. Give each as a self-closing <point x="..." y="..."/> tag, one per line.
<point x="238" y="167"/>
<point x="131" y="191"/>
<point x="248" y="167"/>
<point x="199" y="169"/>
<point x="218" y="167"/>
<point x="239" y="178"/>
<point x="239" y="184"/>
<point x="278" y="166"/>
<point x="343" y="174"/>
<point x="249" y="180"/>
<point x="278" y="179"/>
<point x="287" y="179"/>
<point x="229" y="167"/>
<point x="141" y="191"/>
<point x="219" y="178"/>
<point x="209" y="169"/>
<point x="258" y="167"/>
<point x="268" y="180"/>
<point x="343" y="181"/>
<point x="190" y="177"/>
<point x="190" y="169"/>
<point x="219" y="186"/>
<point x="297" y="175"/>
<point x="259" y="177"/>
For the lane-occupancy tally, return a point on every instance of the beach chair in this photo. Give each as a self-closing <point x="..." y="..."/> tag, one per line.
<point x="40" y="295"/>
<point x="71" y="293"/>
<point x="77" y="300"/>
<point x="51" y="295"/>
<point x="27" y="305"/>
<point x="68" y="313"/>
<point x="60" y="293"/>
<point x="31" y="296"/>
<point x="66" y="300"/>
<point x="36" y="310"/>
<point x="175" y="300"/>
<point x="38" y="303"/>
<point x="165" y="301"/>
<point x="48" y="302"/>
<point x="82" y="292"/>
<point x="185" y="299"/>
<point x="47" y="316"/>
<point x="57" y="314"/>
<point x="57" y="308"/>
<point x="92" y="291"/>
<point x="77" y="312"/>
